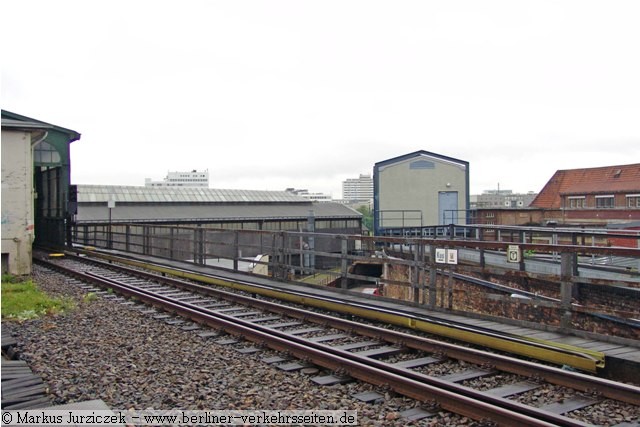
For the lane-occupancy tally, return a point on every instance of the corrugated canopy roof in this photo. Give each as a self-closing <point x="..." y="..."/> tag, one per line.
<point x="132" y="194"/>
<point x="173" y="212"/>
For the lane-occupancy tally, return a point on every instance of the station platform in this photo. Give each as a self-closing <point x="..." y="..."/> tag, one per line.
<point x="609" y="357"/>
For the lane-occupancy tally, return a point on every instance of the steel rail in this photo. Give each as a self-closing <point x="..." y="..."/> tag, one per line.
<point x="538" y="349"/>
<point x="575" y="380"/>
<point x="586" y="383"/>
<point x="450" y="396"/>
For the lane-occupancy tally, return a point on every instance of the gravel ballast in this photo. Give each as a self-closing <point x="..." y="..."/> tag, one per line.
<point x="132" y="359"/>
<point x="106" y="350"/>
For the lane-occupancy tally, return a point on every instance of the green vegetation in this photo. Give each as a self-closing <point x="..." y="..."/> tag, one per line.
<point x="8" y="278"/>
<point x="91" y="296"/>
<point x="22" y="300"/>
<point x="367" y="217"/>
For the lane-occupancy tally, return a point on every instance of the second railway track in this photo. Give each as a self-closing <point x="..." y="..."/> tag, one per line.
<point x="469" y="382"/>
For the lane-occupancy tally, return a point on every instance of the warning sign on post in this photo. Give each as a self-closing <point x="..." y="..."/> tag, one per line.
<point x="513" y="253"/>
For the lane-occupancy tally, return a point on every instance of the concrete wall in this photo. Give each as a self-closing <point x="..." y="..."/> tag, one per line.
<point x="17" y="202"/>
<point x="403" y="187"/>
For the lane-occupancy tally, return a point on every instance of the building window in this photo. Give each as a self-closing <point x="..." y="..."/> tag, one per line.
<point x="633" y="201"/>
<point x="45" y="154"/>
<point x="577" y="202"/>
<point x="353" y="223"/>
<point x="422" y="164"/>
<point x="490" y="215"/>
<point x="605" y="202"/>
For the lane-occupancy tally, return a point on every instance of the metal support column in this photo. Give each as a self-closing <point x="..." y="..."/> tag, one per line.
<point x="172" y="242"/>
<point x="128" y="238"/>
<point x="433" y="276"/>
<point x="343" y="262"/>
<point x="450" y="288"/>
<point x="566" y="288"/>
<point x="146" y="239"/>
<point x="311" y="228"/>
<point x="282" y="269"/>
<point x="574" y="256"/>
<point x="482" y="255"/>
<point x="194" y="247"/>
<point x="236" y="249"/>
<point x="415" y="280"/>
<point x="198" y="246"/>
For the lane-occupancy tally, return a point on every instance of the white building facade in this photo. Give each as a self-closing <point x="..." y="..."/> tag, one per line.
<point x="17" y="202"/>
<point x="502" y="199"/>
<point x="358" y="189"/>
<point x="181" y="179"/>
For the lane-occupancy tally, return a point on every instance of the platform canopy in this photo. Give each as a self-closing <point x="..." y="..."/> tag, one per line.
<point x="134" y="194"/>
<point x="190" y="204"/>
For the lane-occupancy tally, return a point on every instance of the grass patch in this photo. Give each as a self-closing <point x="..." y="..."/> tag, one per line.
<point x="23" y="300"/>
<point x="91" y="296"/>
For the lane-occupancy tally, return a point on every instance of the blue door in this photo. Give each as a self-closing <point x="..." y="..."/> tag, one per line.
<point x="448" y="207"/>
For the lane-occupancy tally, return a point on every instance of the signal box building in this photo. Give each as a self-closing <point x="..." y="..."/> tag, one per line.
<point x="419" y="189"/>
<point x="35" y="188"/>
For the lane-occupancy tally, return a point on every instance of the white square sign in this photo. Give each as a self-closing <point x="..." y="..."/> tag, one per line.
<point x="446" y="256"/>
<point x="513" y="253"/>
<point x="452" y="256"/>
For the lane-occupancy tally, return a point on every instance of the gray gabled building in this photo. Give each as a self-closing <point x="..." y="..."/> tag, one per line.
<point x="420" y="189"/>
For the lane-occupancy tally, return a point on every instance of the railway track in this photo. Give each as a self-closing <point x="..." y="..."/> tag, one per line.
<point x="469" y="382"/>
<point x="529" y="347"/>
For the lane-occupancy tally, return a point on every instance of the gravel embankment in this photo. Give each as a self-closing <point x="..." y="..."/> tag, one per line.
<point x="105" y="350"/>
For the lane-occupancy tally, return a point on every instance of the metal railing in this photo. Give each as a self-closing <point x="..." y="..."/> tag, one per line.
<point x="407" y="268"/>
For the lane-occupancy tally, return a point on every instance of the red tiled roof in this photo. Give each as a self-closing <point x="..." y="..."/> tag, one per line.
<point x="608" y="179"/>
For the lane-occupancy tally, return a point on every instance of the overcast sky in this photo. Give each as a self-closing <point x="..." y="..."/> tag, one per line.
<point x="274" y="94"/>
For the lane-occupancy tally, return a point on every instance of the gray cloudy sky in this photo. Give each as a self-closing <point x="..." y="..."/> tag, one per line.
<point x="274" y="94"/>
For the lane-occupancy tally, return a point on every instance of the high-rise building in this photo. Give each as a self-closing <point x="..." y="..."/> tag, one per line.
<point x="358" y="188"/>
<point x="181" y="179"/>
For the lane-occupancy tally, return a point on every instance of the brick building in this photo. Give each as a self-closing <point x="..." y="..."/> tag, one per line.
<point x="592" y="197"/>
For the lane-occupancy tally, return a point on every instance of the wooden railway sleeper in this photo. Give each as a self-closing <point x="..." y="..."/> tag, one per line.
<point x="182" y="310"/>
